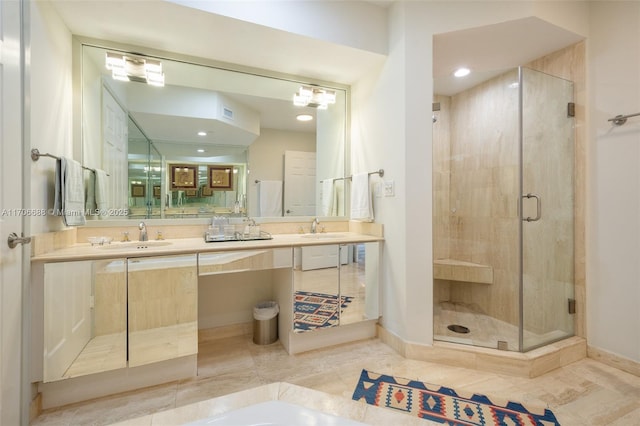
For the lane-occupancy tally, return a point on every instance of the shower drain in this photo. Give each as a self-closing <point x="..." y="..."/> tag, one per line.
<point x="458" y="328"/>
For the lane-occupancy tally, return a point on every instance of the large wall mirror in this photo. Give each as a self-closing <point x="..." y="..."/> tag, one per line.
<point x="210" y="141"/>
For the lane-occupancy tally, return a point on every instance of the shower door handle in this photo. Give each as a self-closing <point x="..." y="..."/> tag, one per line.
<point x="538" y="208"/>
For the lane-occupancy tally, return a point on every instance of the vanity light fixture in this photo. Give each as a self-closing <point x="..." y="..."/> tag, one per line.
<point x="304" y="117"/>
<point x="202" y="133"/>
<point x="200" y="150"/>
<point x="315" y="97"/>
<point x="462" y="72"/>
<point x="135" y="68"/>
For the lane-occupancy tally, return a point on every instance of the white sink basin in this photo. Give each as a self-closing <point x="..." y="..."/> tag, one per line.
<point x="323" y="235"/>
<point x="140" y="245"/>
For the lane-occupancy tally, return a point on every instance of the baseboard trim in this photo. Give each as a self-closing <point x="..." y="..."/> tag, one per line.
<point x="83" y="388"/>
<point x="35" y="407"/>
<point x="621" y="363"/>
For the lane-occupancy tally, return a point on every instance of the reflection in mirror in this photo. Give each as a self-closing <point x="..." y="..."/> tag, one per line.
<point x="210" y="118"/>
<point x="316" y="287"/>
<point x="85" y="318"/>
<point x="162" y="308"/>
<point x="359" y="282"/>
<point x="326" y="274"/>
<point x="151" y="175"/>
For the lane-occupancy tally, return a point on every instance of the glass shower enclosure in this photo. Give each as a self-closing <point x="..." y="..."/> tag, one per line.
<point x="503" y="211"/>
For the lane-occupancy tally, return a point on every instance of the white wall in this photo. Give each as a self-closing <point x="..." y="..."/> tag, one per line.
<point x="337" y="22"/>
<point x="51" y="107"/>
<point x="613" y="227"/>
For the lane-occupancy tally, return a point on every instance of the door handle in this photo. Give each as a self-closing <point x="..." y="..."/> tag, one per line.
<point x="538" y="208"/>
<point x="14" y="240"/>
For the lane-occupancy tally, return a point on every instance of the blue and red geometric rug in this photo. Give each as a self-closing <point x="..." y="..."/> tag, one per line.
<point x="443" y="405"/>
<point x="315" y="310"/>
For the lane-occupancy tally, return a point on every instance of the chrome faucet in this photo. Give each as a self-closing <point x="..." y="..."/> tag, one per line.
<point x="143" y="231"/>
<point x="314" y="225"/>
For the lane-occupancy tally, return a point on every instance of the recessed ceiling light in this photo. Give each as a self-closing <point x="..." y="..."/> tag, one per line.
<point x="202" y="133"/>
<point x="304" y="117"/>
<point x="462" y="72"/>
<point x="200" y="150"/>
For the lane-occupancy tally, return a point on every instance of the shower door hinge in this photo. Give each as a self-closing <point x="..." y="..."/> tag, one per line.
<point x="571" y="109"/>
<point x="572" y="306"/>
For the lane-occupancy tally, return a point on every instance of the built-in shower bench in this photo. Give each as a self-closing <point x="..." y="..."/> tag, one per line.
<point x="459" y="270"/>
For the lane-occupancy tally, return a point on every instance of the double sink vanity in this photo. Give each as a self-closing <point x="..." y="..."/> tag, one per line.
<point x="124" y="315"/>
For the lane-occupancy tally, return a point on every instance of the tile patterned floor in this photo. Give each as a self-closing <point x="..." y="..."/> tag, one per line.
<point x="584" y="393"/>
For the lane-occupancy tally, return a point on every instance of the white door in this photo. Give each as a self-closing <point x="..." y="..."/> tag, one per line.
<point x="12" y="399"/>
<point x="114" y="150"/>
<point x="299" y="183"/>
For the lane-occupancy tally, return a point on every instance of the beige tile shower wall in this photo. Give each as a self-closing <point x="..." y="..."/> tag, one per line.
<point x="569" y="63"/>
<point x="441" y="190"/>
<point x="484" y="193"/>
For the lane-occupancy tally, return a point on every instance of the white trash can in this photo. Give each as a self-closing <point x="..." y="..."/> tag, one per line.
<point x="265" y="323"/>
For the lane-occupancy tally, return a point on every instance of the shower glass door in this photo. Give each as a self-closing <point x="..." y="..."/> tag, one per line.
<point x="503" y="211"/>
<point x="476" y="220"/>
<point x="547" y="208"/>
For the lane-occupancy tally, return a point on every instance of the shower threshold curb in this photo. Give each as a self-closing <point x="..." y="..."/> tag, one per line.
<point x="528" y="364"/>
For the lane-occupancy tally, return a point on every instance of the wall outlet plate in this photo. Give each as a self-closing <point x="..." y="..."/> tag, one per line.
<point x="389" y="188"/>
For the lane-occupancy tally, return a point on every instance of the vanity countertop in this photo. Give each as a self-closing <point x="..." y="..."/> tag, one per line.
<point x="85" y="251"/>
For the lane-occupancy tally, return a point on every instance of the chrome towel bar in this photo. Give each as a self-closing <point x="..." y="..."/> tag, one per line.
<point x="35" y="156"/>
<point x="619" y="120"/>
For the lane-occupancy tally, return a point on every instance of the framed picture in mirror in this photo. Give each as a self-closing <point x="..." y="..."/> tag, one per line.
<point x="191" y="192"/>
<point x="184" y="176"/>
<point x="220" y="177"/>
<point x="137" y="190"/>
<point x="207" y="192"/>
<point x="156" y="191"/>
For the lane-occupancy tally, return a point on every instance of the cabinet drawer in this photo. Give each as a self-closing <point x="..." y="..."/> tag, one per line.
<point x="243" y="260"/>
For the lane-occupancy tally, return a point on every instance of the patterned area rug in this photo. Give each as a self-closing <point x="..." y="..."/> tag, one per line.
<point x="315" y="310"/>
<point x="443" y="405"/>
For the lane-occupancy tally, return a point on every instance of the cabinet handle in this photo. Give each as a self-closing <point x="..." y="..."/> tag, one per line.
<point x="538" y="208"/>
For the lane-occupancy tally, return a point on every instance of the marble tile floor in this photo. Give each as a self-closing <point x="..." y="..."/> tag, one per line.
<point x="583" y="393"/>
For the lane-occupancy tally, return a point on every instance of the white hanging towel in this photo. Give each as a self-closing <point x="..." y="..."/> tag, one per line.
<point x="71" y="191"/>
<point x="97" y="201"/>
<point x="328" y="198"/>
<point x="361" y="203"/>
<point x="270" y="198"/>
<point x="101" y="193"/>
<point x="230" y="199"/>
